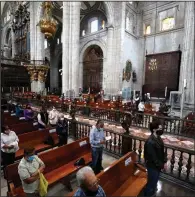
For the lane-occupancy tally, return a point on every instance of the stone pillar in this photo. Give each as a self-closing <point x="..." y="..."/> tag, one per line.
<point x="108" y="81"/>
<point x="70" y="46"/>
<point x="65" y="47"/>
<point x="187" y="63"/>
<point x="75" y="34"/>
<point x="13" y="43"/>
<point x="37" y="51"/>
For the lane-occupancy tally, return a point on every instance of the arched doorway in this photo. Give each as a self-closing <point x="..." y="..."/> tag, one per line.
<point x="93" y="69"/>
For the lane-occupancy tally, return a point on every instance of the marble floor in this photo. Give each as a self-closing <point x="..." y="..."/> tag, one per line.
<point x="165" y="188"/>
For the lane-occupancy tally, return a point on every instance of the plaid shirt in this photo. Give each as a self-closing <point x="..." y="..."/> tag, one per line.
<point x="100" y="192"/>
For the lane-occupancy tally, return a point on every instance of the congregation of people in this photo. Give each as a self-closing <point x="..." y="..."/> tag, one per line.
<point x="31" y="165"/>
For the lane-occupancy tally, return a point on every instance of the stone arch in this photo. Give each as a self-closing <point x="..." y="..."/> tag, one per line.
<point x="83" y="49"/>
<point x="101" y="44"/>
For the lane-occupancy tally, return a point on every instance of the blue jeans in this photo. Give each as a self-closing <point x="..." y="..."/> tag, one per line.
<point x="153" y="177"/>
<point x="97" y="159"/>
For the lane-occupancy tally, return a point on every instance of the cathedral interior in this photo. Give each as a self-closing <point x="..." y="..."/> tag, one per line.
<point x="127" y="63"/>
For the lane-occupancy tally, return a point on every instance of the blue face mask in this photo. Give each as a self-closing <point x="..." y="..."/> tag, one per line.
<point x="30" y="159"/>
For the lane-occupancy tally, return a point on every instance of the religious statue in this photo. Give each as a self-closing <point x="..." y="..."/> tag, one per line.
<point x="127" y="71"/>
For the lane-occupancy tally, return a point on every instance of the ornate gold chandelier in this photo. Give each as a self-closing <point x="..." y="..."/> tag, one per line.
<point x="48" y="24"/>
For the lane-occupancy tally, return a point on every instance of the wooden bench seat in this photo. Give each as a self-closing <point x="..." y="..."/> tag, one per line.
<point x="123" y="178"/>
<point x="35" y="139"/>
<point x="59" y="164"/>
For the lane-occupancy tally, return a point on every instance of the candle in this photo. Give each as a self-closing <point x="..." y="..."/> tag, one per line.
<point x="165" y="91"/>
<point x="23" y="89"/>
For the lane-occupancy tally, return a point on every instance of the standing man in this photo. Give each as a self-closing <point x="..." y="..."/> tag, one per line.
<point x="155" y="157"/>
<point x="28" y="169"/>
<point x="97" y="139"/>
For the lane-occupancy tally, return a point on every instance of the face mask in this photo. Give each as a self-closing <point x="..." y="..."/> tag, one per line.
<point x="61" y="119"/>
<point x="159" y="132"/>
<point x="30" y="159"/>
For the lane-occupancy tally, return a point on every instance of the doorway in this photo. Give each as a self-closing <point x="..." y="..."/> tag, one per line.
<point x="93" y="69"/>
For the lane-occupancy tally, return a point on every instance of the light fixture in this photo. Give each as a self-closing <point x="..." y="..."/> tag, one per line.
<point x="48" y="24"/>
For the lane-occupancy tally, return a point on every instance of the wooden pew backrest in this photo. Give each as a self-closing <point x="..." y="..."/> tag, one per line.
<point x="33" y="138"/>
<point x="23" y="127"/>
<point x="63" y="155"/>
<point x="120" y="171"/>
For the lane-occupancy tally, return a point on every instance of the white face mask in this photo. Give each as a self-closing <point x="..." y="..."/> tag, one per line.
<point x="61" y="118"/>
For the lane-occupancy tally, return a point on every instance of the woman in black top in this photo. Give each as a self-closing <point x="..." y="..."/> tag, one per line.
<point x="62" y="130"/>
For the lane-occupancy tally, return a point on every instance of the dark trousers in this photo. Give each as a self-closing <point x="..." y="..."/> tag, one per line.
<point x="8" y="158"/>
<point x="41" y="126"/>
<point x="32" y="195"/>
<point x="153" y="177"/>
<point x="97" y="159"/>
<point x="63" y="139"/>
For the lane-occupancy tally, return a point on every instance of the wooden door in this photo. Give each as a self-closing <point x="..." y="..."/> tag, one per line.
<point x="162" y="70"/>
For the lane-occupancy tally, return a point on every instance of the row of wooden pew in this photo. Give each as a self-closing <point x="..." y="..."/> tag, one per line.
<point x="123" y="178"/>
<point x="29" y="135"/>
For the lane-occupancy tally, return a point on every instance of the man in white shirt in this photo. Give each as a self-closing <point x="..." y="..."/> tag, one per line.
<point x="53" y="117"/>
<point x="28" y="169"/>
<point x="9" y="145"/>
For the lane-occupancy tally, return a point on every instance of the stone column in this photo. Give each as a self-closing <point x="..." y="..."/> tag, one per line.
<point x="70" y="46"/>
<point x="37" y="51"/>
<point x="187" y="63"/>
<point x="75" y="36"/>
<point x="13" y="43"/>
<point x="65" y="47"/>
<point x="108" y="81"/>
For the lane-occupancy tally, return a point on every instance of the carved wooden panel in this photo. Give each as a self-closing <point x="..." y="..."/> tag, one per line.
<point x="162" y="70"/>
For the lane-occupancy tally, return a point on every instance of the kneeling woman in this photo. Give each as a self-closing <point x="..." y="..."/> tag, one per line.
<point x="9" y="145"/>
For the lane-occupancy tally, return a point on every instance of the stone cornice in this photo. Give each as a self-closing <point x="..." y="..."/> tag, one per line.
<point x="162" y="32"/>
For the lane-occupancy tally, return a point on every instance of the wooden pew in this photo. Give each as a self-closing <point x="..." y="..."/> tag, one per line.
<point x="24" y="127"/>
<point x="123" y="178"/>
<point x="35" y="139"/>
<point x="7" y="119"/>
<point x="59" y="164"/>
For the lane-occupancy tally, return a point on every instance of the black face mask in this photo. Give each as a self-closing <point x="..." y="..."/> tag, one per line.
<point x="91" y="193"/>
<point x="159" y="132"/>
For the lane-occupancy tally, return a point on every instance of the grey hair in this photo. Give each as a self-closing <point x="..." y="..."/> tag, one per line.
<point x="81" y="174"/>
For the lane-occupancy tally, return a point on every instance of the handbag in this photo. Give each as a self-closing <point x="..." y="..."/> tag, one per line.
<point x="80" y="162"/>
<point x="43" y="185"/>
<point x="49" y="141"/>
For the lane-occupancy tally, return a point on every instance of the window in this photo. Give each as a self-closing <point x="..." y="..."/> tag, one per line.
<point x="83" y="32"/>
<point x="103" y="24"/>
<point x="45" y="44"/>
<point x="148" y="30"/>
<point x="168" y="23"/>
<point x="94" y="26"/>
